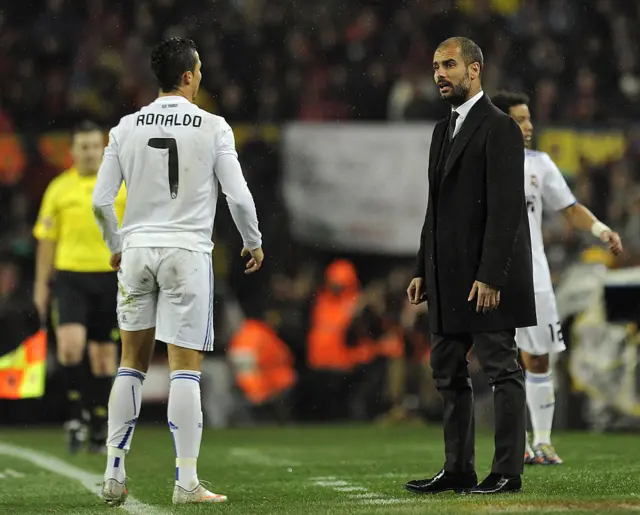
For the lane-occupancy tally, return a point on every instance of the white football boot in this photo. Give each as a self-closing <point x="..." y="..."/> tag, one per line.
<point x="114" y="493"/>
<point x="196" y="496"/>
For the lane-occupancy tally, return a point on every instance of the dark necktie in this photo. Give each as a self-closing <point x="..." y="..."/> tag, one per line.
<point x="452" y="124"/>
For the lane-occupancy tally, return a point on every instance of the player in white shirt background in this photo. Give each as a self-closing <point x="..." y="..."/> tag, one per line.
<point x="545" y="188"/>
<point x="172" y="157"/>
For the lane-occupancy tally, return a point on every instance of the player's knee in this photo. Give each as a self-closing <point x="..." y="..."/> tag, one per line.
<point x="137" y="348"/>
<point x="537" y="364"/>
<point x="103" y="358"/>
<point x="133" y="358"/>
<point x="70" y="344"/>
<point x="68" y="356"/>
<point x="184" y="359"/>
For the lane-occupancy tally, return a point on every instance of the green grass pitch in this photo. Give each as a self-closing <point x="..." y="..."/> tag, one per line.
<point x="320" y="470"/>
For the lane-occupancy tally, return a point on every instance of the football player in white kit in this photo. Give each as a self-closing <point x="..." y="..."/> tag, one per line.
<point x="172" y="156"/>
<point x="546" y="188"/>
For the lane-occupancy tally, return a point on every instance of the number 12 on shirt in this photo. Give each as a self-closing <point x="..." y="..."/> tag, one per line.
<point x="174" y="166"/>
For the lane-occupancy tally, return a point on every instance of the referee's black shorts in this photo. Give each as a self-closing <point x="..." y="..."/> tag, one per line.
<point x="89" y="299"/>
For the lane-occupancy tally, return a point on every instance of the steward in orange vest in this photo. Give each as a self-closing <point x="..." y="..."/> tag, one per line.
<point x="263" y="363"/>
<point x="331" y="316"/>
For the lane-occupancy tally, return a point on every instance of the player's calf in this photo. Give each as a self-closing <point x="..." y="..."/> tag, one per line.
<point x="103" y="360"/>
<point x="185" y="423"/>
<point x="71" y="343"/>
<point x="540" y="399"/>
<point x="124" y="409"/>
<point x="184" y="413"/>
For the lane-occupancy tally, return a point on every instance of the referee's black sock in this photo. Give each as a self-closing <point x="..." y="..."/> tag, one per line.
<point x="74" y="377"/>
<point x="100" y="391"/>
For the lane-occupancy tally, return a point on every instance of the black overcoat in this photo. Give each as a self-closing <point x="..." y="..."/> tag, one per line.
<point x="476" y="226"/>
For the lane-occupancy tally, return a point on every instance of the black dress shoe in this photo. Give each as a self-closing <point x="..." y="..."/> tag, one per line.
<point x="443" y="482"/>
<point x="497" y="484"/>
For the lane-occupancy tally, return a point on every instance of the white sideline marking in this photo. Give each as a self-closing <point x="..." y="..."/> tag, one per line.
<point x="332" y="483"/>
<point x="90" y="481"/>
<point x="369" y="495"/>
<point x="256" y="457"/>
<point x="381" y="502"/>
<point x="10" y="473"/>
<point x="365" y="497"/>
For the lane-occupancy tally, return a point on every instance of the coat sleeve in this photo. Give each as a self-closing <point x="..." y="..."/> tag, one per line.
<point x="505" y="201"/>
<point x="419" y="270"/>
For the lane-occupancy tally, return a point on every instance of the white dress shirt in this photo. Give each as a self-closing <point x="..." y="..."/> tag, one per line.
<point x="463" y="111"/>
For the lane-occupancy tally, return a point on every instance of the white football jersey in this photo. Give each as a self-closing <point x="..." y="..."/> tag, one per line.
<point x="172" y="155"/>
<point x="546" y="188"/>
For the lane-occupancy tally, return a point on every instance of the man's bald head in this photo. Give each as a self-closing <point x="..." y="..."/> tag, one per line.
<point x="469" y="50"/>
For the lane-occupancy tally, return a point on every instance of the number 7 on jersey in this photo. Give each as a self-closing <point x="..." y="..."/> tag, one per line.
<point x="174" y="165"/>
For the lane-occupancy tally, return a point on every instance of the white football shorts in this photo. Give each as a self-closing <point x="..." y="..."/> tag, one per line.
<point x="546" y="337"/>
<point x="170" y="289"/>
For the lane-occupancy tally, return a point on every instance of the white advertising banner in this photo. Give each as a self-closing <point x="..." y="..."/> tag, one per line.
<point x="357" y="187"/>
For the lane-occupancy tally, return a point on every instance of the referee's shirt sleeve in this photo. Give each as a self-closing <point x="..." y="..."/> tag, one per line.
<point x="105" y="192"/>
<point x="46" y="227"/>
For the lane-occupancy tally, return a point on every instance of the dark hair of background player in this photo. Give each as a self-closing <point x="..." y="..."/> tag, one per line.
<point x="505" y="100"/>
<point x="84" y="127"/>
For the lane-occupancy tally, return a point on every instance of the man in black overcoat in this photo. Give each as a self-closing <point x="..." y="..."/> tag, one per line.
<point x="474" y="270"/>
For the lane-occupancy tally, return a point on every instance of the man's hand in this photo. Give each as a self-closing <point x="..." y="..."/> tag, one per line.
<point x="613" y="240"/>
<point x="115" y="261"/>
<point x="41" y="300"/>
<point x="255" y="263"/>
<point x="416" y="291"/>
<point x="488" y="297"/>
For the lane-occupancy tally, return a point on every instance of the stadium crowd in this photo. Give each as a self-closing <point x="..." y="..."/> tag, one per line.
<point x="266" y="62"/>
<point x="270" y="62"/>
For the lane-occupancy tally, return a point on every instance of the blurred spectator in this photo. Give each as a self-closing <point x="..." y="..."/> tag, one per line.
<point x="264" y="368"/>
<point x="328" y="354"/>
<point x="270" y="62"/>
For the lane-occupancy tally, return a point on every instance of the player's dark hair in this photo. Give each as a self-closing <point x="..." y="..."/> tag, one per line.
<point x="505" y="100"/>
<point x="84" y="127"/>
<point x="469" y="50"/>
<point x="170" y="59"/>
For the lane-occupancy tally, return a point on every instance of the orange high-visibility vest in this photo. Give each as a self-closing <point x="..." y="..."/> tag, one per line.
<point x="23" y="370"/>
<point x="391" y="344"/>
<point x="330" y="319"/>
<point x="327" y="341"/>
<point x="365" y="351"/>
<point x="262" y="361"/>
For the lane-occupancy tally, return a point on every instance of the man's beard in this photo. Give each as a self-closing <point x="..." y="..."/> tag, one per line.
<point x="459" y="93"/>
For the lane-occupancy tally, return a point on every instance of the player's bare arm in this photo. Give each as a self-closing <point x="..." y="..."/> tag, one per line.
<point x="581" y="218"/>
<point x="45" y="255"/>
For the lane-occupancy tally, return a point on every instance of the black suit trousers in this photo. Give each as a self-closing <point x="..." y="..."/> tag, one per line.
<point x="498" y="356"/>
